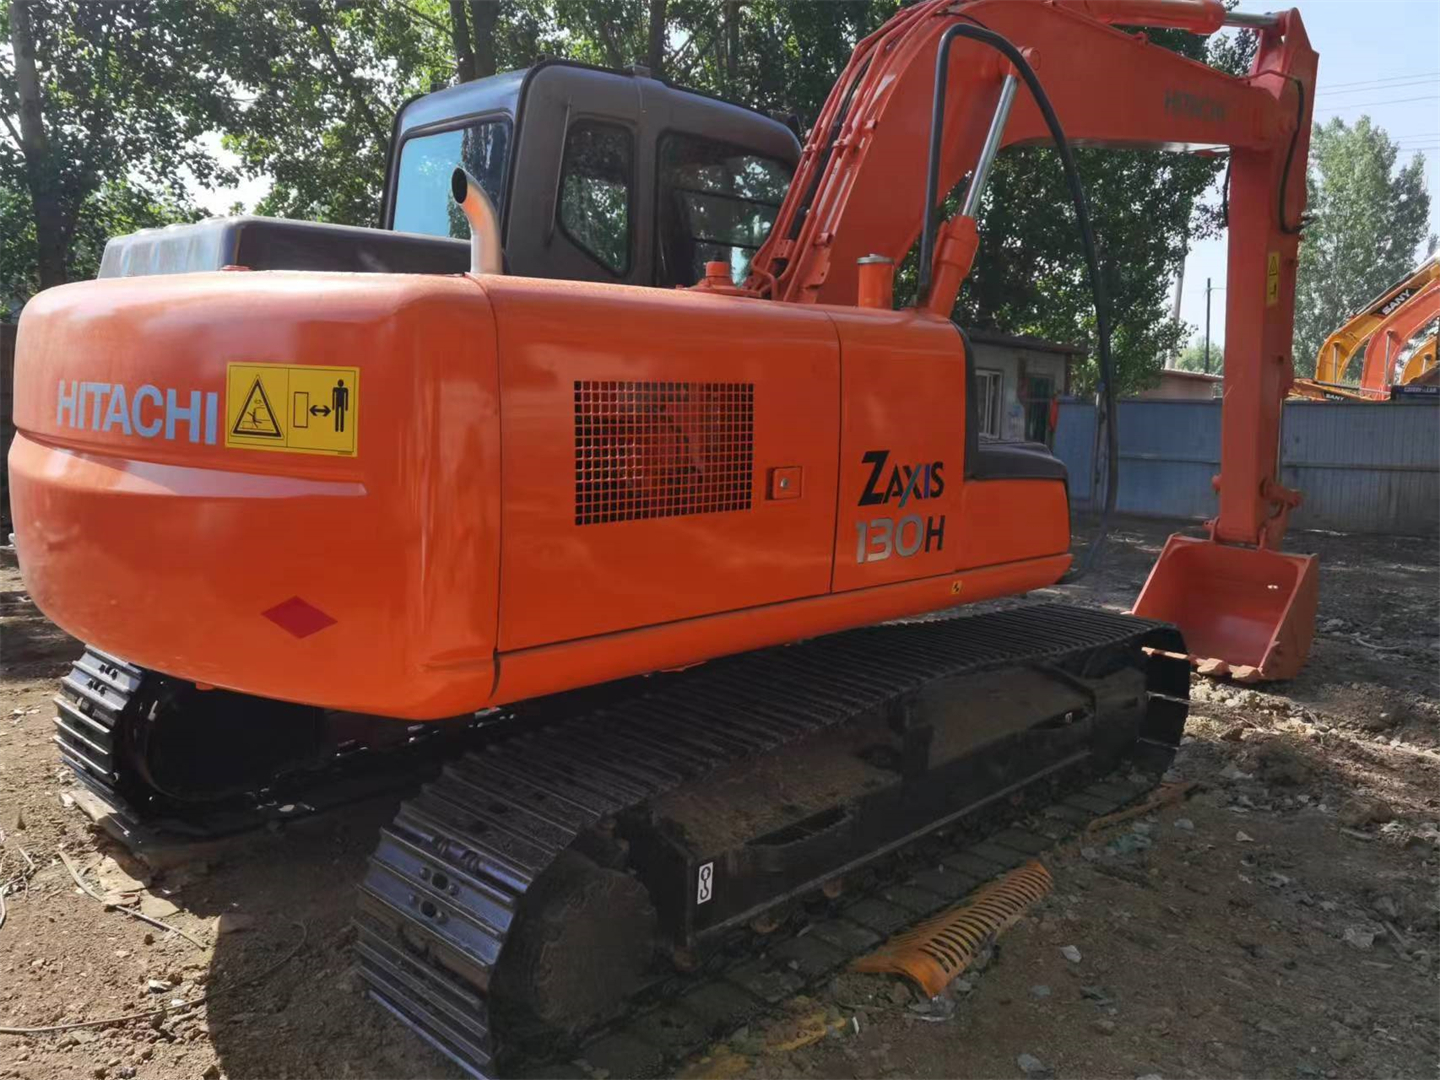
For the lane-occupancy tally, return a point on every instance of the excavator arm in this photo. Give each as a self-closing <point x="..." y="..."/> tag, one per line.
<point x="1390" y="338"/>
<point x="858" y="192"/>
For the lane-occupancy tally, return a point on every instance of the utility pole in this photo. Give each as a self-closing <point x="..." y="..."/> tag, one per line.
<point x="1207" y="326"/>
<point x="1175" y="308"/>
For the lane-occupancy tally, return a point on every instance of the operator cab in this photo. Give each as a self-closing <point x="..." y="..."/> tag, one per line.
<point x="597" y="175"/>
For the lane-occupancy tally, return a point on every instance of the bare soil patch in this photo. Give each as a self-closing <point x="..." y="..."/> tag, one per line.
<point x="1283" y="922"/>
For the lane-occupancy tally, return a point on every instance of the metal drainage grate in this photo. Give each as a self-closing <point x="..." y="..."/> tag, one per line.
<point x="939" y="949"/>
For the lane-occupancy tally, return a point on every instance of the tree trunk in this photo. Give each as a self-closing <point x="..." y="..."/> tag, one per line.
<point x="460" y="41"/>
<point x="655" y="49"/>
<point x="483" y="16"/>
<point x="732" y="47"/>
<point x="40" y="172"/>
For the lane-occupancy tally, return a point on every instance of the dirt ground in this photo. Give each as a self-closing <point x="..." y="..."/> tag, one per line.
<point x="1284" y="921"/>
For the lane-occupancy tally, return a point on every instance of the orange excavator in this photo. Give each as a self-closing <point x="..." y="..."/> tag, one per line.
<point x="1372" y="327"/>
<point x="1387" y="347"/>
<point x="634" y="550"/>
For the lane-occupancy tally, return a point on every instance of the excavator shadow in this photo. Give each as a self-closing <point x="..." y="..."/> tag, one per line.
<point x="284" y="892"/>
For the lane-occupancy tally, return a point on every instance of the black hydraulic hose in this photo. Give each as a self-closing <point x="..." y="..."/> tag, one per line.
<point x="1286" y="227"/>
<point x="986" y="36"/>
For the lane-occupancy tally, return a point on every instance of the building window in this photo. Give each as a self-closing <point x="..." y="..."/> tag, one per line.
<point x="989" y="386"/>
<point x="595" y="184"/>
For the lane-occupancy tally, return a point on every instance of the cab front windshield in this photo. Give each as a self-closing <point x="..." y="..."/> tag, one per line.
<point x="422" y="189"/>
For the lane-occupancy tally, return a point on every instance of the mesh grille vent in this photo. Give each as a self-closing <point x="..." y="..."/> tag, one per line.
<point x="662" y="449"/>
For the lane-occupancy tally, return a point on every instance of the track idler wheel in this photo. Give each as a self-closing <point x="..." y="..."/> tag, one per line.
<point x="582" y="942"/>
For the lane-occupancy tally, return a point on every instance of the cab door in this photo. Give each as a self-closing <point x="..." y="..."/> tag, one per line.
<point x="577" y="203"/>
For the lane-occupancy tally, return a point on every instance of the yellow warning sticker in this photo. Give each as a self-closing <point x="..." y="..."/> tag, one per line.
<point x="297" y="408"/>
<point x="1272" y="279"/>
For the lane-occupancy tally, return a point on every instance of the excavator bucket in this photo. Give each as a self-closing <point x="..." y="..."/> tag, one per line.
<point x="1245" y="612"/>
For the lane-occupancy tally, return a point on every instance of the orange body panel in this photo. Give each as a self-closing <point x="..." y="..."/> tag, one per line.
<point x="524" y="512"/>
<point x="167" y="551"/>
<point x="902" y="448"/>
<point x="560" y="580"/>
<point x="545" y="670"/>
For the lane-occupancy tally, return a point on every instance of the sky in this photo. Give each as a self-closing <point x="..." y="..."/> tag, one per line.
<point x="1379" y="58"/>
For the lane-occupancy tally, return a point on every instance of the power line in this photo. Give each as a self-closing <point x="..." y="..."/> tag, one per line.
<point x="1386" y="78"/>
<point x="1375" y="104"/>
<point x="1378" y="84"/>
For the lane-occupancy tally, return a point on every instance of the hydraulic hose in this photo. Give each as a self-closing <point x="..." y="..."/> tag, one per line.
<point x="984" y="35"/>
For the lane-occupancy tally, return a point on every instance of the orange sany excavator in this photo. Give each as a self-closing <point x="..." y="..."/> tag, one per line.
<point x="1387" y="344"/>
<point x="1341" y="348"/>
<point x="630" y="547"/>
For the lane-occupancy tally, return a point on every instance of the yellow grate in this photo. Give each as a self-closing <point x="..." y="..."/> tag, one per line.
<point x="941" y="948"/>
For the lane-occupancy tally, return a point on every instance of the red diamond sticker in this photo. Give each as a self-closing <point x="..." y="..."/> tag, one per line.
<point x="298" y="617"/>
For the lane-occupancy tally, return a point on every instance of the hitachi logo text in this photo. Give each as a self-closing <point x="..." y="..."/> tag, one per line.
<point x="146" y="411"/>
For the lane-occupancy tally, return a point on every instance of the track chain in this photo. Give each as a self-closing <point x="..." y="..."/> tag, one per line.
<point x="449" y="875"/>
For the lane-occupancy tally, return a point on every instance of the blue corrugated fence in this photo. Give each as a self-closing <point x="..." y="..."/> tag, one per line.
<point x="1371" y="468"/>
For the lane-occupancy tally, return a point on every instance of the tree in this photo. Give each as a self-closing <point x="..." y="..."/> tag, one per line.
<point x="1366" y="221"/>
<point x="112" y="100"/>
<point x="773" y="54"/>
<point x="325" y="78"/>
<point x="1192" y="357"/>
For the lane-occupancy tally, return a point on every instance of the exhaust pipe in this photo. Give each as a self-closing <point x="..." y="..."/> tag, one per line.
<point x="479" y="211"/>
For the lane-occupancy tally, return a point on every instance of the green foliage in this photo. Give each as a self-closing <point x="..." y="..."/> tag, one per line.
<point x="1366" y="220"/>
<point x="1192" y="357"/>
<point x="18" y="277"/>
<point x="791" y="54"/>
<point x="320" y="83"/>
<point x="324" y="79"/>
<point x="125" y="92"/>
<point x="117" y="208"/>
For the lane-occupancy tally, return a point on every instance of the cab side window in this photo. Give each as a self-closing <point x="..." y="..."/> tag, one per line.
<point x="596" y="180"/>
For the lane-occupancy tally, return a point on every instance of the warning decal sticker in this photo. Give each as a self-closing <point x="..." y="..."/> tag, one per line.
<point x="257" y="418"/>
<point x="292" y="407"/>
